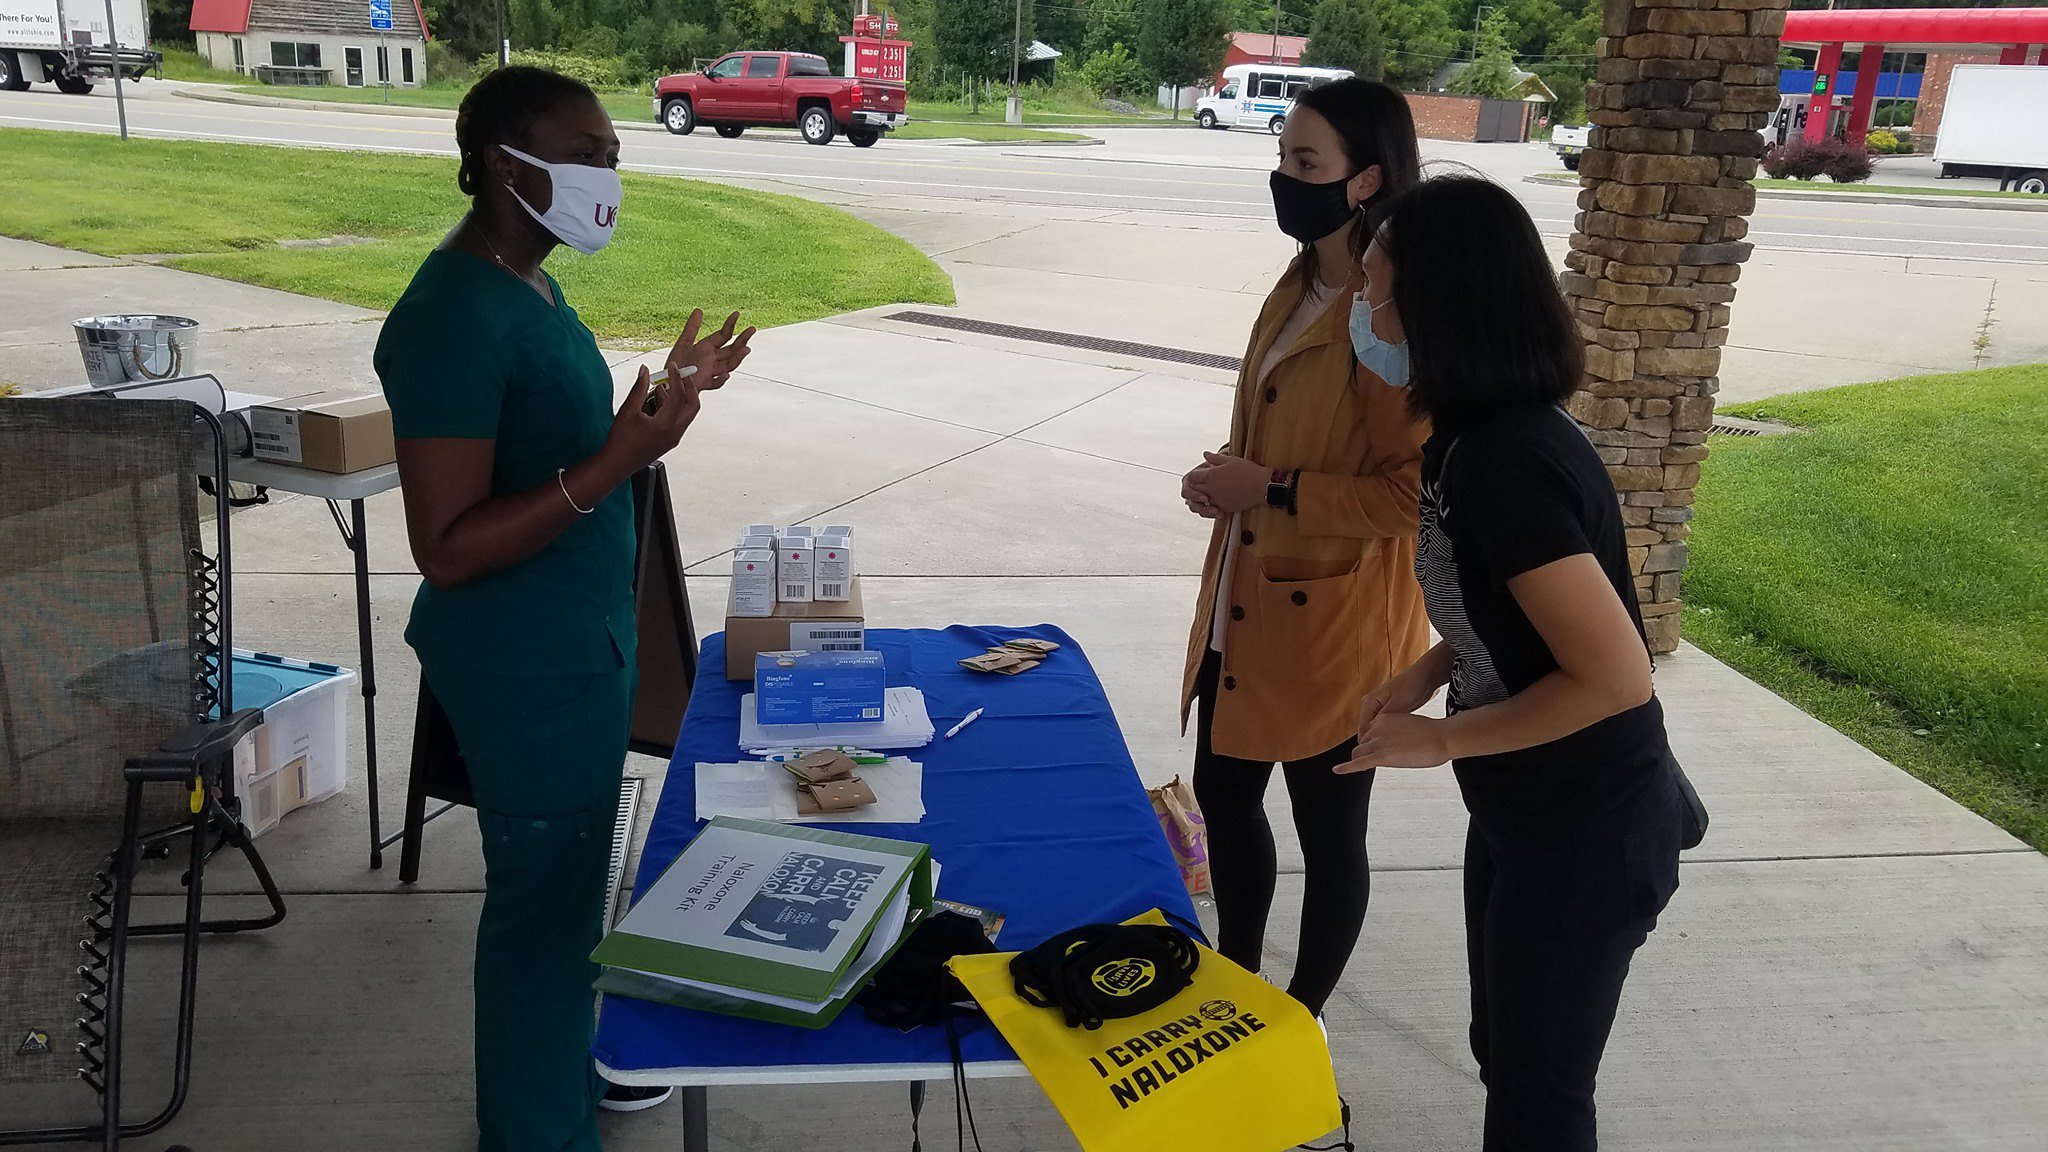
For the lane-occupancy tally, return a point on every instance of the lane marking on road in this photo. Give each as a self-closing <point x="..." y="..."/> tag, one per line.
<point x="799" y="178"/>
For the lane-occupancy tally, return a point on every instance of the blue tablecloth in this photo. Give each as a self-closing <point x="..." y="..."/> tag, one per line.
<point x="1035" y="810"/>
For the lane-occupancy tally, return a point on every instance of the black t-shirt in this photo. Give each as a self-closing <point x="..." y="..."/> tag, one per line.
<point x="1521" y="491"/>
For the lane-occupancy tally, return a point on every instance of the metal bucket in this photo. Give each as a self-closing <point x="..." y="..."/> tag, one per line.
<point x="120" y="349"/>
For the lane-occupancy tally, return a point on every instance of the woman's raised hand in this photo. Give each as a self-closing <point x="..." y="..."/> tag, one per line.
<point x="716" y="357"/>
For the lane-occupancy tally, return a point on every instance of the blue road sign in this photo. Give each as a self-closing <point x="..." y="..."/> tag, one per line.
<point x="380" y="15"/>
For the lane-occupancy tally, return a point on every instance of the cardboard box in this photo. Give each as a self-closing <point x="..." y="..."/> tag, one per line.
<point x="832" y="569"/>
<point x="819" y="687"/>
<point x="324" y="431"/>
<point x="795" y="568"/>
<point x="753" y="583"/>
<point x="814" y="627"/>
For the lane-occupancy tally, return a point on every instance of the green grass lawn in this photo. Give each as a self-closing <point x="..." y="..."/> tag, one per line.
<point x="1889" y="189"/>
<point x="185" y="64"/>
<point x="1887" y="570"/>
<point x="681" y="243"/>
<point x="1039" y="107"/>
<point x="638" y="107"/>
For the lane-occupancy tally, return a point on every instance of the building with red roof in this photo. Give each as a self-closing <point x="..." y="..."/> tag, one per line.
<point x="314" y="41"/>
<point x="1261" y="48"/>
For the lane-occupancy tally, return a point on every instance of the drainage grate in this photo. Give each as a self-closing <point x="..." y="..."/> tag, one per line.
<point x="1069" y="340"/>
<point x="622" y="842"/>
<point x="1736" y="426"/>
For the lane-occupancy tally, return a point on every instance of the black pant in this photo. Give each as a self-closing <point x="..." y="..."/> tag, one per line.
<point x="1552" y="921"/>
<point x="1329" y="815"/>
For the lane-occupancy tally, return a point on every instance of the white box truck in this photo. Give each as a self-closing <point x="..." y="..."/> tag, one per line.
<point x="65" y="42"/>
<point x="1995" y="125"/>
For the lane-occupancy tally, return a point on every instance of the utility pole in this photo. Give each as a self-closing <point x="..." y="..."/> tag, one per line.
<point x="504" y="42"/>
<point x="1015" y="112"/>
<point x="114" y="57"/>
<point x="1276" y="31"/>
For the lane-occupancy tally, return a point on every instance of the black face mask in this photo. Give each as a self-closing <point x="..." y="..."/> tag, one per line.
<point x="1308" y="212"/>
<point x="1106" y="971"/>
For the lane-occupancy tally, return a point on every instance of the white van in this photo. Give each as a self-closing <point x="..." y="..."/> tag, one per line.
<point x="1261" y="95"/>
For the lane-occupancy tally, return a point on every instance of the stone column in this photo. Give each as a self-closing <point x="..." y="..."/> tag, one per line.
<point x="1683" y="91"/>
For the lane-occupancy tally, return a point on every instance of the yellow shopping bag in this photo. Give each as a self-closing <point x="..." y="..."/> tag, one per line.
<point x="1232" y="1064"/>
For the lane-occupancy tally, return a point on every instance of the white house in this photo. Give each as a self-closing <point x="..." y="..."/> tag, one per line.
<point x="313" y="41"/>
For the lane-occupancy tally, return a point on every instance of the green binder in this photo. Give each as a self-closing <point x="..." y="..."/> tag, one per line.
<point x="769" y="921"/>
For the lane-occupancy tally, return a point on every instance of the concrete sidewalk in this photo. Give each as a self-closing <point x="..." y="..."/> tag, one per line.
<point x="1854" y="962"/>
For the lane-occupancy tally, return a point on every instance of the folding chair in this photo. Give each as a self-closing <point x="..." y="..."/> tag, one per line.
<point x="117" y="734"/>
<point x="668" y="672"/>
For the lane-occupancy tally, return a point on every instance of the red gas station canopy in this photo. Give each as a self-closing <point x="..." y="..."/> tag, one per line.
<point x="1918" y="29"/>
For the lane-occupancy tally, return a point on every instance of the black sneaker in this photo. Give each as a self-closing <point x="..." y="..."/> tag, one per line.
<point x="624" y="1098"/>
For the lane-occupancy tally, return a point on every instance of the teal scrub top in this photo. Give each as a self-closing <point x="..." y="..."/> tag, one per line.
<point x="471" y="352"/>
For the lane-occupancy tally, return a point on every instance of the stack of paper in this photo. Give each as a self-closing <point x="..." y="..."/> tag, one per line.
<point x="762" y="791"/>
<point x="770" y="922"/>
<point x="905" y="724"/>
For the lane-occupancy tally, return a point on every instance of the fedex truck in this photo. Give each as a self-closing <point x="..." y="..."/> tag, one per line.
<point x="66" y="43"/>
<point x="1996" y="125"/>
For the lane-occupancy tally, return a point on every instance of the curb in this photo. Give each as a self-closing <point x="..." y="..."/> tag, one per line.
<point x="789" y="137"/>
<point x="1995" y="203"/>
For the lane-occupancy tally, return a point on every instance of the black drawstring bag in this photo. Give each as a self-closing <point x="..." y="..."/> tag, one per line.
<point x="914" y="989"/>
<point x="1106" y="971"/>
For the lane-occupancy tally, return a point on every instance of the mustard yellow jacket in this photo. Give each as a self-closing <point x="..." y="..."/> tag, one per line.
<point x="1323" y="604"/>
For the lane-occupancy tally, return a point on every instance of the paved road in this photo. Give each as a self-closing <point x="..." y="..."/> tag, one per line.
<point x="1186" y="172"/>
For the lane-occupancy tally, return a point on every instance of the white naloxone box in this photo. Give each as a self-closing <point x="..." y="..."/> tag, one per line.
<point x="753" y="583"/>
<point x="795" y="563"/>
<point x="844" y="531"/>
<point x="755" y="544"/>
<point x="757" y="530"/>
<point x="832" y="569"/>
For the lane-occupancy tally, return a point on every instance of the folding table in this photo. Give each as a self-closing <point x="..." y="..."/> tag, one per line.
<point x="1034" y="810"/>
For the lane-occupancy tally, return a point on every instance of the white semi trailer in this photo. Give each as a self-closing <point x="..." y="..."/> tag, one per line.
<point x="1995" y="125"/>
<point x="66" y="43"/>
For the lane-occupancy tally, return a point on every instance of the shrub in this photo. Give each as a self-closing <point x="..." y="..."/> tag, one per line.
<point x="1838" y="160"/>
<point x="1882" y="143"/>
<point x="445" y="67"/>
<point x="1114" y="71"/>
<point x="597" y="71"/>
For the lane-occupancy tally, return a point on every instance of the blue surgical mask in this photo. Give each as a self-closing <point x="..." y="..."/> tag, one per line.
<point x="1387" y="361"/>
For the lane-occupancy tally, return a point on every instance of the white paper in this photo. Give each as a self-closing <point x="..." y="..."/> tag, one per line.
<point x="906" y="725"/>
<point x="761" y="791"/>
<point x="727" y="876"/>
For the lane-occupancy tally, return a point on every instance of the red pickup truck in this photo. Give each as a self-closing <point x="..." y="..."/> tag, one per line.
<point x="780" y="89"/>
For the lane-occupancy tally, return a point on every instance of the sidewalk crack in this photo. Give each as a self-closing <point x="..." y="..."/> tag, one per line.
<point x="1981" y="345"/>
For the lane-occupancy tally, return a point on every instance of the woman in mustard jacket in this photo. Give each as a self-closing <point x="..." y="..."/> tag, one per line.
<point x="1309" y="598"/>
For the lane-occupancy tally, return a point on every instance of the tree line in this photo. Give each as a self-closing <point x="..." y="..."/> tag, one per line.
<point x="1120" y="48"/>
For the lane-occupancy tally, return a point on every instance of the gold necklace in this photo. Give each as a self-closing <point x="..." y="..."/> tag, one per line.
<point x="495" y="255"/>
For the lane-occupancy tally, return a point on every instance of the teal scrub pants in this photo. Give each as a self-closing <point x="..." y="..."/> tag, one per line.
<point x="545" y="754"/>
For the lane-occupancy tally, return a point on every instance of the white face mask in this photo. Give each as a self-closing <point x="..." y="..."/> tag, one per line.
<point x="585" y="207"/>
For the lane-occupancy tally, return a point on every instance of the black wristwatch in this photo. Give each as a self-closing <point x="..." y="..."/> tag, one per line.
<point x="1281" y="490"/>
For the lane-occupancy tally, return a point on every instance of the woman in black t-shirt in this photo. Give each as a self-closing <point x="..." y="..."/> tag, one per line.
<point x="1554" y="729"/>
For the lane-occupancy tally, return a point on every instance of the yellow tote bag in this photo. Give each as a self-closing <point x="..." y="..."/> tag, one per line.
<point x="1232" y="1064"/>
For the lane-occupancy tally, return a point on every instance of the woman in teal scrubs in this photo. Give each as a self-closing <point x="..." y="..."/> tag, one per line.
<point x="515" y="469"/>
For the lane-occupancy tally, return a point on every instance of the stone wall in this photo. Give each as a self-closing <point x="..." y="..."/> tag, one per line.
<point x="1683" y="89"/>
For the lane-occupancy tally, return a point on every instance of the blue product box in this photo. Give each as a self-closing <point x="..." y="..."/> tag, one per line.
<point x="820" y="687"/>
